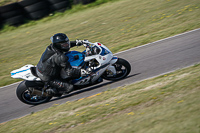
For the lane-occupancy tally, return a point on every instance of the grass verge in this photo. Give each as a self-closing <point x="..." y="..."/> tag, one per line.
<point x="168" y="103"/>
<point x="120" y="25"/>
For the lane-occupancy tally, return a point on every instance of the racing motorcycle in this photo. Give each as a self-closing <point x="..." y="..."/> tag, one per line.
<point x="96" y="58"/>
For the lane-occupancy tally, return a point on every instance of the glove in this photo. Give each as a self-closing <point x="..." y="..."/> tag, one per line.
<point x="87" y="72"/>
<point x="79" y="42"/>
<point x="84" y="73"/>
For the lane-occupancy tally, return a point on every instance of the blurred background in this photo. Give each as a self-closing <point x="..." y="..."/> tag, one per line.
<point x="26" y="26"/>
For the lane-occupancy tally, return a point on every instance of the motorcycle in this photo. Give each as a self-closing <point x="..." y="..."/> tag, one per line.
<point x="96" y="58"/>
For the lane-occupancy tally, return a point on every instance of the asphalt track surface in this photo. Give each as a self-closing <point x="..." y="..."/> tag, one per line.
<point x="147" y="61"/>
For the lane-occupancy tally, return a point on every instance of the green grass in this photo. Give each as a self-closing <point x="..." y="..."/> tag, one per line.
<point x="168" y="103"/>
<point x="120" y="25"/>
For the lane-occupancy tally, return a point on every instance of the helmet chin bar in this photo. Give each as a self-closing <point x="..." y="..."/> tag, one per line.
<point x="65" y="45"/>
<point x="62" y="47"/>
<point x="59" y="49"/>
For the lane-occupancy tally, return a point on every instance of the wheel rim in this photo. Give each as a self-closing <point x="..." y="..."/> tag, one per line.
<point x="33" y="99"/>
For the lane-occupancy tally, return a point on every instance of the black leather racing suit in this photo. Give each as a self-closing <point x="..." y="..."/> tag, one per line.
<point x="50" y="65"/>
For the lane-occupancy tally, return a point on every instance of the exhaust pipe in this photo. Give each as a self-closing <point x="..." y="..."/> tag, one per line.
<point x="38" y="92"/>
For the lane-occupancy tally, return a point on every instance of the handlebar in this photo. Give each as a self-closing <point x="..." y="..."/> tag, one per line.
<point x="86" y="43"/>
<point x="89" y="49"/>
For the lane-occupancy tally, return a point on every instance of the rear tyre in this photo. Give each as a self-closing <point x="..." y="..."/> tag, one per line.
<point x="15" y="21"/>
<point x="61" y="6"/>
<point x="38" y="14"/>
<point x="9" y="7"/>
<point x="122" y="67"/>
<point x="36" y="7"/>
<point x="24" y="94"/>
<point x="11" y="14"/>
<point x="55" y="1"/>
<point x="25" y="3"/>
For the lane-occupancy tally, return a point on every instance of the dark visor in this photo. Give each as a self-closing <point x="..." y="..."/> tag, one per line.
<point x="65" y="45"/>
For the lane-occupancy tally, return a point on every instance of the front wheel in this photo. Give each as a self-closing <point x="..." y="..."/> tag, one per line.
<point x="122" y="67"/>
<point x="25" y="94"/>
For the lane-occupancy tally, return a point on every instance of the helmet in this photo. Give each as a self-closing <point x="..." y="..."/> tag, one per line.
<point x="61" y="42"/>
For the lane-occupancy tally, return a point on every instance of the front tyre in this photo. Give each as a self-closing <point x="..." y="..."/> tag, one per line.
<point x="25" y="95"/>
<point x="122" y="67"/>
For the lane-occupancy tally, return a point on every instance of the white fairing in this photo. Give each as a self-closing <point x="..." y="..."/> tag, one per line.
<point x="24" y="73"/>
<point x="105" y="59"/>
<point x="101" y="58"/>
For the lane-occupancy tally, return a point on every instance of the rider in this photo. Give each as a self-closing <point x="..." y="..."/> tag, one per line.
<point x="53" y="60"/>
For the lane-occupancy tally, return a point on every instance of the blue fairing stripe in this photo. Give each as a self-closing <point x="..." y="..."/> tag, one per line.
<point x="19" y="72"/>
<point x="114" y="58"/>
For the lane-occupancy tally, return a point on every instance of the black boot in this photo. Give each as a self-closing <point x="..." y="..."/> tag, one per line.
<point x="62" y="86"/>
<point x="49" y="90"/>
<point x="52" y="91"/>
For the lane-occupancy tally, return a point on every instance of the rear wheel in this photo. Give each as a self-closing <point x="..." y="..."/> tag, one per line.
<point x="25" y="93"/>
<point x="122" y="67"/>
